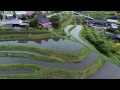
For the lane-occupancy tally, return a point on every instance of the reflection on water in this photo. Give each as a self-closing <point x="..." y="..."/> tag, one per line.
<point x="52" y="44"/>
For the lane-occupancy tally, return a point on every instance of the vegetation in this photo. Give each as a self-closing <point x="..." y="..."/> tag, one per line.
<point x="25" y="36"/>
<point x="33" y="23"/>
<point x="95" y="40"/>
<point x="116" y="48"/>
<point x="101" y="14"/>
<point x="27" y="55"/>
<point x="41" y="72"/>
<point x="55" y="21"/>
<point x="66" y="23"/>
<point x="60" y="56"/>
<point x="117" y="31"/>
<point x="72" y="28"/>
<point x="1" y="16"/>
<point x="23" y="17"/>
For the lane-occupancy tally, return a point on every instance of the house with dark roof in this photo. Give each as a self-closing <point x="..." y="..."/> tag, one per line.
<point x="43" y="20"/>
<point x="98" y="21"/>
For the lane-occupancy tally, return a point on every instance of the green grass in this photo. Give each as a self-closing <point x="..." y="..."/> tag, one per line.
<point x="100" y="14"/>
<point x="66" y="23"/>
<point x="27" y="30"/>
<point x="59" y="56"/>
<point x="41" y="72"/>
<point x="25" y="37"/>
<point x="109" y="42"/>
<point x="26" y="55"/>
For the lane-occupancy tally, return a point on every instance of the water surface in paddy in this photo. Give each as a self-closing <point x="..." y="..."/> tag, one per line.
<point x="51" y="44"/>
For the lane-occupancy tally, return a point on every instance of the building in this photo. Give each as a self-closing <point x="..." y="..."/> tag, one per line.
<point x="100" y="22"/>
<point x="29" y="13"/>
<point x="43" y="20"/>
<point x="117" y="36"/>
<point x="20" y="13"/>
<point x="112" y="20"/>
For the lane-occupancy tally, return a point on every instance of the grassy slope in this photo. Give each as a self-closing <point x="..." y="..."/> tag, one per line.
<point x="109" y="43"/>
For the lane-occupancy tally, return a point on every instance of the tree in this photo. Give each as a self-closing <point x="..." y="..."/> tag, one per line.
<point x="55" y="21"/>
<point x="23" y="17"/>
<point x="1" y="16"/>
<point x="115" y="13"/>
<point x="116" y="48"/>
<point x="33" y="23"/>
<point x="117" y="31"/>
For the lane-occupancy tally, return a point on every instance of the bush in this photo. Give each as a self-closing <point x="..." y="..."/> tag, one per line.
<point x="1" y="16"/>
<point x="33" y="23"/>
<point x="116" y="48"/>
<point x="23" y="17"/>
<point x="94" y="39"/>
<point x="117" y="32"/>
<point x="55" y="21"/>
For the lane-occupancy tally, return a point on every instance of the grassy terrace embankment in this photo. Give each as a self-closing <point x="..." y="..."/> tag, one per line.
<point x="55" y="56"/>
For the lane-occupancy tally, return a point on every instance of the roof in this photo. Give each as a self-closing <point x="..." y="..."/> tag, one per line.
<point x="46" y="24"/>
<point x="112" y="20"/>
<point x="15" y="21"/>
<point x="114" y="26"/>
<point x="29" y="12"/>
<point x="9" y="14"/>
<point x="42" y="18"/>
<point x="20" y="12"/>
<point x="117" y="36"/>
<point x="99" y="21"/>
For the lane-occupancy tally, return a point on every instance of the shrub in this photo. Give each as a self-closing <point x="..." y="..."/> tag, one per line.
<point x="33" y="23"/>
<point x="23" y="17"/>
<point x="94" y="39"/>
<point x="1" y="16"/>
<point x="55" y="21"/>
<point x="116" y="48"/>
<point x="117" y="31"/>
<point x="66" y="23"/>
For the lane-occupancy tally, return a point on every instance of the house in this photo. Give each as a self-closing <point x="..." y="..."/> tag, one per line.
<point x="43" y="20"/>
<point x="117" y="36"/>
<point x="112" y="20"/>
<point x="99" y="22"/>
<point x="20" y="13"/>
<point x="113" y="27"/>
<point x="29" y="13"/>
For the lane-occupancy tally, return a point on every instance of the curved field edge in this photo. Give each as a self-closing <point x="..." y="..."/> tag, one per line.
<point x="53" y="56"/>
<point x="41" y="72"/>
